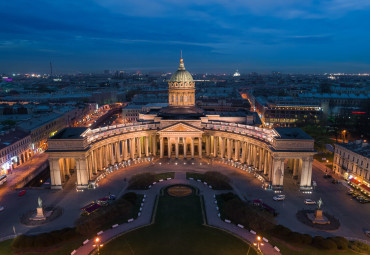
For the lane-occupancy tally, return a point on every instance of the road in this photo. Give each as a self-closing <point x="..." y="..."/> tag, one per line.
<point x="354" y="217"/>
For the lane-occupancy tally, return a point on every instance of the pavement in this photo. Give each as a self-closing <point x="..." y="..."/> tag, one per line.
<point x="353" y="216"/>
<point x="21" y="172"/>
<point x="147" y="211"/>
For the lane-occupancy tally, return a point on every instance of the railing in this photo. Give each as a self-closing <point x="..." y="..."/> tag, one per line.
<point x="256" y="132"/>
<point x="99" y="133"/>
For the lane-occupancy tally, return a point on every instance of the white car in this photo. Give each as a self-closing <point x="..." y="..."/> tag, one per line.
<point x="2" y="208"/>
<point x="309" y="201"/>
<point x="279" y="197"/>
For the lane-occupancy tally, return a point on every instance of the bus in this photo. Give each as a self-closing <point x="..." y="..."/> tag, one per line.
<point x="2" y="179"/>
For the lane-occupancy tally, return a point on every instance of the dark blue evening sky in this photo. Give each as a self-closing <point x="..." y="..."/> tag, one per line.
<point x="215" y="35"/>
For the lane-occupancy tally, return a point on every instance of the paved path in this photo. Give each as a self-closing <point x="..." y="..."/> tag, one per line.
<point x="145" y="217"/>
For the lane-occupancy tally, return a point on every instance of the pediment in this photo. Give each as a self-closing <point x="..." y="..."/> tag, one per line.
<point x="181" y="127"/>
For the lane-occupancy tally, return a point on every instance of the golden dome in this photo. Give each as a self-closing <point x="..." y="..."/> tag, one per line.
<point x="181" y="79"/>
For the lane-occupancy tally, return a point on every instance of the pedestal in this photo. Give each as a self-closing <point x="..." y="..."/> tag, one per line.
<point x="39" y="215"/>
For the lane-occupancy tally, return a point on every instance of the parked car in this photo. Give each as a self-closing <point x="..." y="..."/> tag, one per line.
<point x="335" y="181"/>
<point x="327" y="176"/>
<point x="279" y="198"/>
<point x="2" y="208"/>
<point x="112" y="197"/>
<point x="350" y="192"/>
<point x="21" y="193"/>
<point x="309" y="201"/>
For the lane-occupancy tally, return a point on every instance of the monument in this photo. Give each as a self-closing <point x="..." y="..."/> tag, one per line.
<point x="40" y="215"/>
<point x="317" y="217"/>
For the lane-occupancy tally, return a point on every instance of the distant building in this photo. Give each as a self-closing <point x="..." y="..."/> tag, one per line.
<point x="14" y="149"/>
<point x="352" y="161"/>
<point x="286" y="111"/>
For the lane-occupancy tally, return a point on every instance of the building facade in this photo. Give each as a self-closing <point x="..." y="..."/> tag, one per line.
<point x="352" y="161"/>
<point x="182" y="131"/>
<point x="15" y="149"/>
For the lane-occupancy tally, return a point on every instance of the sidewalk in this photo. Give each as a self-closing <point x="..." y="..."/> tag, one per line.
<point x="147" y="210"/>
<point x="21" y="172"/>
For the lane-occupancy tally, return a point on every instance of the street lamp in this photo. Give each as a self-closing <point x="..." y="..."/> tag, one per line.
<point x="98" y="244"/>
<point x="259" y="243"/>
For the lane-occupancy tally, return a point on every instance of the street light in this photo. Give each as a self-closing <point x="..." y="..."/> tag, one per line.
<point x="259" y="243"/>
<point x="98" y="244"/>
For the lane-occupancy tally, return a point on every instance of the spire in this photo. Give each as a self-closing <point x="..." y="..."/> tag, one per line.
<point x="182" y="66"/>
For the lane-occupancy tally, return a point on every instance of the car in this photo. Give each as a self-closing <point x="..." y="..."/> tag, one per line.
<point x="112" y="197"/>
<point x="309" y="201"/>
<point x="327" y="176"/>
<point x="367" y="233"/>
<point x="21" y="193"/>
<point x="2" y="208"/>
<point x="335" y="181"/>
<point x="279" y="198"/>
<point x="350" y="192"/>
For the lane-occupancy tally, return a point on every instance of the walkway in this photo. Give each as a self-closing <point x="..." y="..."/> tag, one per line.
<point x="147" y="209"/>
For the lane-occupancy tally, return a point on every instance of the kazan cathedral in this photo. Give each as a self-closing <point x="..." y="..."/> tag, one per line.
<point x="182" y="131"/>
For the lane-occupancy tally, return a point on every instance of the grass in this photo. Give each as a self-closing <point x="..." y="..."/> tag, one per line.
<point x="58" y="249"/>
<point x="195" y="176"/>
<point x="177" y="230"/>
<point x="164" y="176"/>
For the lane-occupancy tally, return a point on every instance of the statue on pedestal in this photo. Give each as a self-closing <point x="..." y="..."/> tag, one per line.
<point x="39" y="201"/>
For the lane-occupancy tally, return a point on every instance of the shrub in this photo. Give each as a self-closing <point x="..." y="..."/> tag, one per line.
<point x="341" y="242"/>
<point x="359" y="246"/>
<point x="227" y="196"/>
<point x="141" y="181"/>
<point x="322" y="243"/>
<point x="281" y="231"/>
<point x="306" y="239"/>
<point x="44" y="240"/>
<point x="131" y="197"/>
<point x="217" y="180"/>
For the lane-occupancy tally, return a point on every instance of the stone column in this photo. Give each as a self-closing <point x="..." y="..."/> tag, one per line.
<point x="177" y="148"/>
<point x="236" y="156"/>
<point x="228" y="148"/>
<point x="117" y="152"/>
<point x="154" y="145"/>
<point x="138" y="147"/>
<point x="265" y="166"/>
<point x="243" y="152"/>
<point x="56" y="181"/>
<point x="125" y="149"/>
<point x="169" y="147"/>
<point x="146" y="146"/>
<point x="222" y="140"/>
<point x="185" y="146"/>
<point x="82" y="173"/>
<point x="261" y="158"/>
<point x="207" y="145"/>
<point x="278" y="172"/>
<point x="200" y="147"/>
<point x="215" y="138"/>
<point x="112" y="156"/>
<point x="192" y="147"/>
<point x="161" y="147"/>
<point x="132" y="147"/>
<point x="306" y="172"/>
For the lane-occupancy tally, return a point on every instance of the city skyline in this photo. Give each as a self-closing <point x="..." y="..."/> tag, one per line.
<point x="216" y="36"/>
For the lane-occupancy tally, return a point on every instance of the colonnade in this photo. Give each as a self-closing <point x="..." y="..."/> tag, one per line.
<point x="223" y="145"/>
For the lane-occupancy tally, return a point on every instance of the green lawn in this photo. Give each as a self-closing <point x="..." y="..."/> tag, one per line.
<point x="164" y="176"/>
<point x="58" y="249"/>
<point x="177" y="230"/>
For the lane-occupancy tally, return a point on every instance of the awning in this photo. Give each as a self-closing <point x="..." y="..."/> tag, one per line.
<point x="365" y="187"/>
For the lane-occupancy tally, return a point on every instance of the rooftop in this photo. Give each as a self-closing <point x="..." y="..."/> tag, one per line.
<point x="292" y="133"/>
<point x="70" y="133"/>
<point x="11" y="136"/>
<point x="358" y="147"/>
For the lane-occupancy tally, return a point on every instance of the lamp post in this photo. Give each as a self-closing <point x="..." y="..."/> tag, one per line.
<point x="259" y="243"/>
<point x="98" y="244"/>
